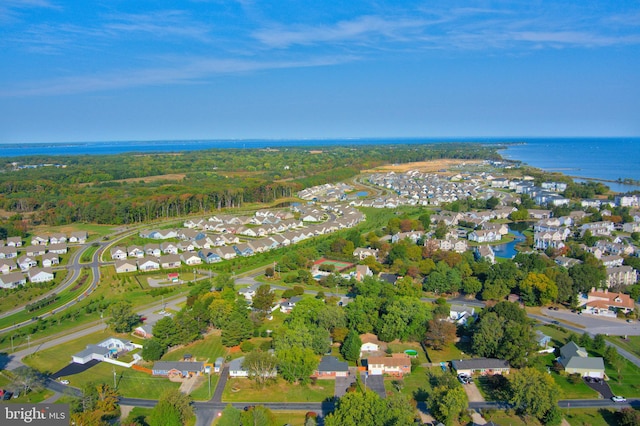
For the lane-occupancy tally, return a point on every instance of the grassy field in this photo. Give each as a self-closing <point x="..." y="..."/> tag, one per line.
<point x="631" y="343"/>
<point x="412" y="385"/>
<point x="245" y="390"/>
<point x="590" y="416"/>
<point x="207" y="349"/>
<point x="399" y="347"/>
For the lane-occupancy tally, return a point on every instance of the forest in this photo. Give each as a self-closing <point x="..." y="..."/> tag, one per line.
<point x="137" y="188"/>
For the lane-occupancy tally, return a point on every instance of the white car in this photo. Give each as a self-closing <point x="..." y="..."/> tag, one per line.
<point x="618" y="399"/>
<point x="64" y="381"/>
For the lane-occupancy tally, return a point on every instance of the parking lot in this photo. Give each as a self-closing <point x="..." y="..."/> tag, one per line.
<point x="595" y="324"/>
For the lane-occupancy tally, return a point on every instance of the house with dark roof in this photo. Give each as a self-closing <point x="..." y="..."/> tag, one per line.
<point x="105" y="350"/>
<point x="575" y="359"/>
<point x="482" y="366"/>
<point x="330" y="368"/>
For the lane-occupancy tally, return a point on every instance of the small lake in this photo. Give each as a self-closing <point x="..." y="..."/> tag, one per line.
<point x="362" y="194"/>
<point x="508" y="250"/>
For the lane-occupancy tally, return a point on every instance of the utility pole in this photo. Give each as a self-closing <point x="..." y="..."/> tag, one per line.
<point x="114" y="378"/>
<point x="29" y="341"/>
<point x="12" y="350"/>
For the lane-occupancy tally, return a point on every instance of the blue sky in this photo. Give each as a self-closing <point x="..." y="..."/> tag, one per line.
<point x="211" y="69"/>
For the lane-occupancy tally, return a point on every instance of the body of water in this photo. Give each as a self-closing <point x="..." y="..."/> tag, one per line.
<point x="608" y="159"/>
<point x="508" y="250"/>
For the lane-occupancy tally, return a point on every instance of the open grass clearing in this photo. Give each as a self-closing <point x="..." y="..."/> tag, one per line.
<point x="245" y="390"/>
<point x="590" y="416"/>
<point x="630" y="343"/>
<point x="207" y="349"/>
<point x="399" y="347"/>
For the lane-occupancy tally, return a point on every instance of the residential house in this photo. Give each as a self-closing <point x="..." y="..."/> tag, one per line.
<point x="152" y="249"/>
<point x="249" y="292"/>
<point x="287" y="306"/>
<point x="37" y="275"/>
<point x="118" y="253"/>
<point x="170" y="261"/>
<point x="485" y="252"/>
<point x="177" y="369"/>
<point x="542" y="339"/>
<point x="107" y="349"/>
<point x="34" y="251"/>
<point x="190" y="258"/>
<point x="209" y="256"/>
<point x="236" y="368"/>
<point x="364" y="252"/>
<point x="78" y="237"/>
<point x="58" y="248"/>
<point x="14" y="242"/>
<point x="148" y="264"/>
<point x="57" y="238"/>
<point x="362" y="271"/>
<point x="226" y="252"/>
<point x="39" y="240"/>
<point x="8" y="252"/>
<point x="576" y="360"/>
<point x="482" y="236"/>
<point x="123" y="266"/>
<point x="7" y="266"/>
<point x="12" y="280"/>
<point x="461" y="314"/>
<point x="145" y="331"/>
<point x="169" y="248"/>
<point x="482" y="366"/>
<point x="330" y="368"/>
<point x="566" y="262"/>
<point x="605" y="303"/>
<point x="135" y="251"/>
<point x="25" y="263"/>
<point x="396" y="365"/>
<point x="371" y="345"/>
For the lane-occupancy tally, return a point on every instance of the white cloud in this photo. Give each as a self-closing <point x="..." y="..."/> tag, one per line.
<point x="195" y="71"/>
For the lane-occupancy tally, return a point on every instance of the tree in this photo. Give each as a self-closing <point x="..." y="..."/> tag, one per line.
<point x="165" y="332"/>
<point x="29" y="379"/>
<point x="152" y="350"/>
<point x="533" y="392"/>
<point x="123" y="319"/>
<point x="261" y="366"/>
<point x="230" y="416"/>
<point x="440" y="333"/>
<point x="599" y="343"/>
<point x="257" y="416"/>
<point x="447" y="403"/>
<point x="296" y="363"/>
<point x="350" y="349"/>
<point x="237" y="328"/>
<point x="628" y="417"/>
<point x="541" y="288"/>
<point x="263" y="300"/>
<point x="360" y="409"/>
<point x="173" y="407"/>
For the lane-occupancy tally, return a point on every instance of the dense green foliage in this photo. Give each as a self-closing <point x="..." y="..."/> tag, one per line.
<point x="93" y="189"/>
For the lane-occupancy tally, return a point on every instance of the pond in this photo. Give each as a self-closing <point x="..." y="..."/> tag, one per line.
<point x="362" y="194"/>
<point x="508" y="250"/>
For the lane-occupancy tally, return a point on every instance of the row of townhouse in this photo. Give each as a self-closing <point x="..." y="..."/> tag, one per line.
<point x="11" y="242"/>
<point x="76" y="237"/>
<point x="34" y="275"/>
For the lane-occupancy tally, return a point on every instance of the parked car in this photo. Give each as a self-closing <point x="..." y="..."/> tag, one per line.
<point x="64" y="381"/>
<point x="7" y="395"/>
<point x="618" y="399"/>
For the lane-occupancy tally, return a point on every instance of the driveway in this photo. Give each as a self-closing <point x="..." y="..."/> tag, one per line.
<point x="473" y="393"/>
<point x="343" y="383"/>
<point x="74" y="368"/>
<point x="601" y="387"/>
<point x="375" y="383"/>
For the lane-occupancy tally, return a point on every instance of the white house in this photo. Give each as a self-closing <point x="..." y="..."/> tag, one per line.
<point x="37" y="275"/>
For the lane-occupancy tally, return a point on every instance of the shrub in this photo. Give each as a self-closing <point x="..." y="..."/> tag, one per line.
<point x="247" y="346"/>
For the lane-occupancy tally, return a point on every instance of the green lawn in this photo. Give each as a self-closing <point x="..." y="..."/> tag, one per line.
<point x="631" y="343"/>
<point x="412" y="385"/>
<point x="245" y="390"/>
<point x="399" y="347"/>
<point x="509" y="418"/>
<point x="208" y="348"/>
<point x="460" y="350"/>
<point x="627" y="383"/>
<point x="590" y="416"/>
<point x="201" y="393"/>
